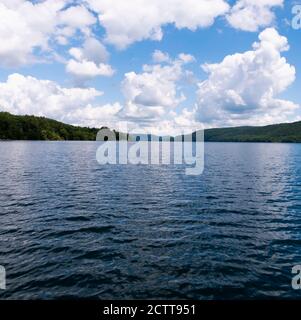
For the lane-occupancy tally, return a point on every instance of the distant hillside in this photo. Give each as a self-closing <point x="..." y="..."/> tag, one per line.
<point x="287" y="132"/>
<point x="39" y="128"/>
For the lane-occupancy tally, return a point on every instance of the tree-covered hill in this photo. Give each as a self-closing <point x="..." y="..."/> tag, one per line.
<point x="38" y="128"/>
<point x="14" y="127"/>
<point x="287" y="132"/>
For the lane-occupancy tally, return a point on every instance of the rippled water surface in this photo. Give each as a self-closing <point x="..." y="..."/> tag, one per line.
<point x="72" y="228"/>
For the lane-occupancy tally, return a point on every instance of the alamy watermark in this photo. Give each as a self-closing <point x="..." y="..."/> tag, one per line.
<point x="124" y="147"/>
<point x="296" y="22"/>
<point x="2" y="278"/>
<point x="296" y="281"/>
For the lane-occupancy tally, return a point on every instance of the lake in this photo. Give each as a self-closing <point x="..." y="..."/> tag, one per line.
<point x="71" y="228"/>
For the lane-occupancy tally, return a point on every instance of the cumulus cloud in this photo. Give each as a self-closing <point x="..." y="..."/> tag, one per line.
<point x="152" y="97"/>
<point x="186" y="58"/>
<point x="26" y="27"/>
<point x="28" y="95"/>
<point x="95" y="116"/>
<point x="77" y="17"/>
<point x="89" y="61"/>
<point x="154" y="92"/>
<point x="159" y="56"/>
<point x="84" y="69"/>
<point x="250" y="15"/>
<point x="243" y="88"/>
<point x="135" y="20"/>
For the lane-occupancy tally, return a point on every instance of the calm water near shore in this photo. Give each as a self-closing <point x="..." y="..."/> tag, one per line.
<point x="71" y="228"/>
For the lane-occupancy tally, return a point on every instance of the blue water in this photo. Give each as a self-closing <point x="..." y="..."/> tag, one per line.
<point x="71" y="228"/>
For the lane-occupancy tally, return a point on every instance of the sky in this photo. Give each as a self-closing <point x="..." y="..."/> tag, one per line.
<point x="151" y="64"/>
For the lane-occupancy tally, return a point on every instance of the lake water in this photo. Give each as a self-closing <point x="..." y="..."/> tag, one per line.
<point x="71" y="228"/>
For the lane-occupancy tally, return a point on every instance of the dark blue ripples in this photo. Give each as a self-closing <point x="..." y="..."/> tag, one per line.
<point x="73" y="229"/>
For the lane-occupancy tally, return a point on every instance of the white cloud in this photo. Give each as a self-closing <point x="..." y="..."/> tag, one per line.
<point x="93" y="50"/>
<point x="154" y="92"/>
<point x="186" y="58"/>
<point x="159" y="56"/>
<point x="152" y="96"/>
<point x="28" y="95"/>
<point x="84" y="69"/>
<point x="243" y="88"/>
<point x="89" y="61"/>
<point x="129" y="21"/>
<point x="95" y="116"/>
<point x="27" y="26"/>
<point x="77" y="17"/>
<point x="250" y="15"/>
<point x="156" y="86"/>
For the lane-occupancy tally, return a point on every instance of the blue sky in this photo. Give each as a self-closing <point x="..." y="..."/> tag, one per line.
<point x="108" y="82"/>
